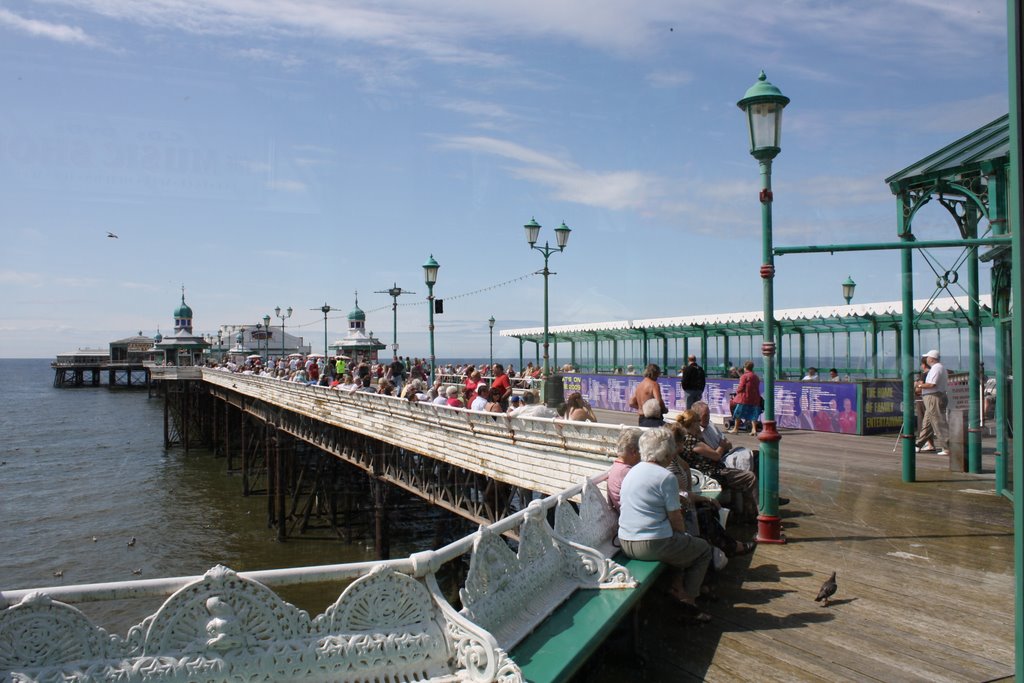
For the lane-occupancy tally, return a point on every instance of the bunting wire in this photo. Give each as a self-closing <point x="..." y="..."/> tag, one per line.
<point x="424" y="302"/>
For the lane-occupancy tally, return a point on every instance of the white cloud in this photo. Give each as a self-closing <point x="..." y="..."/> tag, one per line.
<point x="566" y="180"/>
<point x="285" y="185"/>
<point x="669" y="79"/>
<point x="44" y="29"/>
<point x="256" y="54"/>
<point x="16" y="277"/>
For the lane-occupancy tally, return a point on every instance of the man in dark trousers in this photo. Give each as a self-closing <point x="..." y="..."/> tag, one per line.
<point x="693" y="381"/>
<point x="397" y="369"/>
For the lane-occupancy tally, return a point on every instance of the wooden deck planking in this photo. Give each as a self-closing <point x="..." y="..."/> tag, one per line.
<point x="944" y="615"/>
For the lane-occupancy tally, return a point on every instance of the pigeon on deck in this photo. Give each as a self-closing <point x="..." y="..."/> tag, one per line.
<point x="828" y="589"/>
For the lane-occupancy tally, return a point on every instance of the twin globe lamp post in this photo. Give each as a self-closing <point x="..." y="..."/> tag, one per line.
<point x="283" y="316"/>
<point x="561" y="239"/>
<point x="763" y="104"/>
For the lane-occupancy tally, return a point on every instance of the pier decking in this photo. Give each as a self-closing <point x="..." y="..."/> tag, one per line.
<point x="925" y="579"/>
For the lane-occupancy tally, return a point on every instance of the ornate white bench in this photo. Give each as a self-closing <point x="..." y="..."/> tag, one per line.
<point x="390" y="624"/>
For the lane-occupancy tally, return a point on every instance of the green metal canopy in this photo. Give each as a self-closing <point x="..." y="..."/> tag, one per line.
<point x="947" y="313"/>
<point x="970" y="153"/>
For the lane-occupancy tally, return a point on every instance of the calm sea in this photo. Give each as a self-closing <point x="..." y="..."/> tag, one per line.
<point x="84" y="470"/>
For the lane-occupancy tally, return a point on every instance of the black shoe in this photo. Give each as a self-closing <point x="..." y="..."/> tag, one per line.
<point x="783" y="501"/>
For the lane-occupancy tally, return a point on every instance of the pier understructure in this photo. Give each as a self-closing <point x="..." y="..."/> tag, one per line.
<point x="319" y="455"/>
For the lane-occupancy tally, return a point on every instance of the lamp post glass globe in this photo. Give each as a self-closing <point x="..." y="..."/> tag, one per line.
<point x="532" y="231"/>
<point x="430" y="270"/>
<point x="848" y="286"/>
<point x="763" y="104"/>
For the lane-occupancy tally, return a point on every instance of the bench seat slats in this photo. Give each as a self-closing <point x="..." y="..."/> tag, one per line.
<point x="574" y="631"/>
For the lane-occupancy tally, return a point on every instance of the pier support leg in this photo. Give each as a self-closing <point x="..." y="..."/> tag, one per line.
<point x="381" y="539"/>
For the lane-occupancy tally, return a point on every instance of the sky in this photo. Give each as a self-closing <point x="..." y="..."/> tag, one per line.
<point x="292" y="152"/>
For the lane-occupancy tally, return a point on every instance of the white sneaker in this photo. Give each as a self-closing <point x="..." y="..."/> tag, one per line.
<point x="943" y="452"/>
<point x="719" y="559"/>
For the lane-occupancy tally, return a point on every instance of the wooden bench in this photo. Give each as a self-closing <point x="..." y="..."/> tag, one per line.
<point x="569" y="637"/>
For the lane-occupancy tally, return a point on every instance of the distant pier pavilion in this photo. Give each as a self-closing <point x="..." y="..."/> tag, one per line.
<point x="124" y="364"/>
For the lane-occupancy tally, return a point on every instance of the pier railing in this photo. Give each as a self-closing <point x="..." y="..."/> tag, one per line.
<point x="392" y="623"/>
<point x="545" y="455"/>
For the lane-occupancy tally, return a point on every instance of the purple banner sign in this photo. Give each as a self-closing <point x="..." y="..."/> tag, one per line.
<point x="816" y="406"/>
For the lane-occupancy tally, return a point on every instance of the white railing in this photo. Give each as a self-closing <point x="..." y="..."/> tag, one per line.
<point x="546" y="455"/>
<point x="391" y="624"/>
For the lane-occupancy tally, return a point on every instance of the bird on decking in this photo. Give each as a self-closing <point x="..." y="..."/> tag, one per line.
<point x="828" y="589"/>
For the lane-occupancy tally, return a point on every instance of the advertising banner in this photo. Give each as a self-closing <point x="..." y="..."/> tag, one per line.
<point x="817" y="406"/>
<point x="883" y="406"/>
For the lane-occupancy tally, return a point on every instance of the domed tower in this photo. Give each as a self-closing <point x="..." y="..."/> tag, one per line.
<point x="358" y="346"/>
<point x="356" y="317"/>
<point x="183" y="316"/>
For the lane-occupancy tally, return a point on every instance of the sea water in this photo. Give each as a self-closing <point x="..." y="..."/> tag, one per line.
<point x="84" y="470"/>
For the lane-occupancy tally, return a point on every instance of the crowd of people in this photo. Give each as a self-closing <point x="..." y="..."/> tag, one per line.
<point x="490" y="389"/>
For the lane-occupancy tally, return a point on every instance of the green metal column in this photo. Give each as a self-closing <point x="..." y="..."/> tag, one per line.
<point x="597" y="355"/>
<point x="1000" y="285"/>
<point x="1015" y="15"/>
<point x="973" y="346"/>
<point x="615" y="353"/>
<point x="769" y="528"/>
<point x="686" y="352"/>
<point x="725" y="353"/>
<point x="907" y="364"/>
<point x="572" y="352"/>
<point x="703" y="347"/>
<point x="521" y="364"/>
<point x="874" y="348"/>
<point x="664" y="351"/>
<point x="645" y="354"/>
<point x="778" y="349"/>
<point x="554" y="345"/>
<point x="802" y="352"/>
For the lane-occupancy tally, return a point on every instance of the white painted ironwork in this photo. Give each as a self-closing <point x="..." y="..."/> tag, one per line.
<point x="546" y="455"/>
<point x="391" y="624"/>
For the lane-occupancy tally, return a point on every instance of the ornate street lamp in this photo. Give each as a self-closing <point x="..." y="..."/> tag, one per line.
<point x="394" y="292"/>
<point x="490" y="324"/>
<point x="266" y="339"/>
<point x="283" y="316"/>
<point x="848" y="286"/>
<point x="259" y="339"/>
<point x="220" y="347"/>
<point x="561" y="238"/>
<point x="430" y="277"/>
<point x="763" y="104"/>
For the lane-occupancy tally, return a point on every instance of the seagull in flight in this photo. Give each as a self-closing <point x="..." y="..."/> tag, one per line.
<point x="112" y="235"/>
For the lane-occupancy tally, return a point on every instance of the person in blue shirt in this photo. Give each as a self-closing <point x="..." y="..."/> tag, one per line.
<point x="651" y="524"/>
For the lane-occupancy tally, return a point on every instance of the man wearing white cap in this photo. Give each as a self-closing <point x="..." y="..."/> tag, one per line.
<point x="933" y="395"/>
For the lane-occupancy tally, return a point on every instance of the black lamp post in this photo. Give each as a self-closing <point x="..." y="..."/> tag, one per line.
<point x="266" y="339"/>
<point x="490" y="324"/>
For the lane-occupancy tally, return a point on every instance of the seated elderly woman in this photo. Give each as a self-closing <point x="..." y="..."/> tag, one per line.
<point x="651" y="525"/>
<point x="710" y="461"/>
<point x="704" y="510"/>
<point x="650" y="414"/>
<point x="627" y="451"/>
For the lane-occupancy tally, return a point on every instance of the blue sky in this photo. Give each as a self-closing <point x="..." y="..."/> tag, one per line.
<point x="288" y="153"/>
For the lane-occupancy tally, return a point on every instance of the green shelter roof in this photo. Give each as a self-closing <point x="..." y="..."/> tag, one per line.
<point x="989" y="143"/>
<point x="887" y="315"/>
